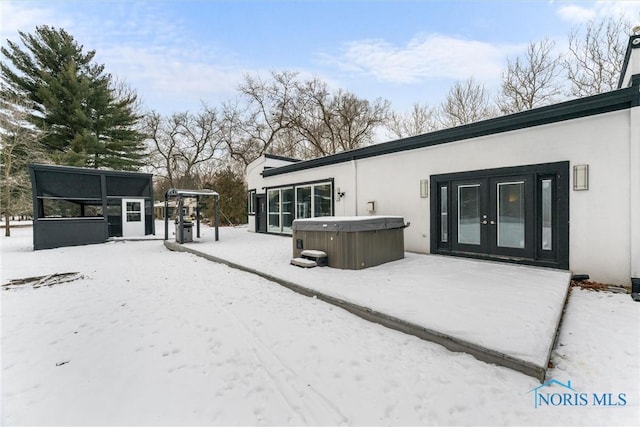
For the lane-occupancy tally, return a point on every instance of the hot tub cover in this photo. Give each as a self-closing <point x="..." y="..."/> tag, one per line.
<point x="348" y="223"/>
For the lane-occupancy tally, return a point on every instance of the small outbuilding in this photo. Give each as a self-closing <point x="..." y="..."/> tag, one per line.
<point x="79" y="206"/>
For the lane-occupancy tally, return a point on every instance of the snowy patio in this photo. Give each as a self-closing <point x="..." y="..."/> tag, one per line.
<point x="500" y="313"/>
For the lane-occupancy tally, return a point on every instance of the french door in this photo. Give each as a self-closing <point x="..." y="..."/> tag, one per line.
<point x="519" y="214"/>
<point x="491" y="216"/>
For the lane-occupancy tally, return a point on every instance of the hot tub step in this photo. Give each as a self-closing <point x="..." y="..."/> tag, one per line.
<point x="320" y="257"/>
<point x="304" y="262"/>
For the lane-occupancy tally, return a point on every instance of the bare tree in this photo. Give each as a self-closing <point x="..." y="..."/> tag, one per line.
<point x="420" y="119"/>
<point x="288" y="116"/>
<point x="595" y="56"/>
<point x="531" y="81"/>
<point x="355" y="120"/>
<point x="254" y="128"/>
<point x="20" y="143"/>
<point x="466" y="102"/>
<point x="329" y="123"/>
<point x="182" y="144"/>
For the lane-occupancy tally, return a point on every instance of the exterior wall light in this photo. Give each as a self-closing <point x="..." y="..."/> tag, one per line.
<point x="424" y="188"/>
<point x="371" y="207"/>
<point x="580" y="177"/>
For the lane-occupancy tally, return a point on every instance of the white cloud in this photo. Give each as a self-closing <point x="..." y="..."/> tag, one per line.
<point x="169" y="80"/>
<point x="577" y="13"/>
<point x="24" y="16"/>
<point x="424" y="57"/>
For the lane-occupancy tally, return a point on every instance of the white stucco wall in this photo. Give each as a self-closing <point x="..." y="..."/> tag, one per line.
<point x="634" y="192"/>
<point x="600" y="228"/>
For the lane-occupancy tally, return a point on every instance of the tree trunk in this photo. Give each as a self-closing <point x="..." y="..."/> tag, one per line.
<point x="7" y="228"/>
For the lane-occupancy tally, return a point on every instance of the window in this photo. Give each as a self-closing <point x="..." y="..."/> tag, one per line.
<point x="134" y="212"/>
<point x="444" y="215"/>
<point x="299" y="201"/>
<point x="303" y="202"/>
<point x="547" y="215"/>
<point x="273" y="221"/>
<point x="251" y="202"/>
<point x="322" y="197"/>
<point x="61" y="208"/>
<point x="286" y="195"/>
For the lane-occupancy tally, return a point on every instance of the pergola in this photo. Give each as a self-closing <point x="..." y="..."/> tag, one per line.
<point x="180" y="194"/>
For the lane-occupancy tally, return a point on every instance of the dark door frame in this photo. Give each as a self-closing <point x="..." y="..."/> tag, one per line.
<point x="444" y="215"/>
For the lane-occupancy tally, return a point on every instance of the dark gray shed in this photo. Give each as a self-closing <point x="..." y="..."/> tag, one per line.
<point x="79" y="206"/>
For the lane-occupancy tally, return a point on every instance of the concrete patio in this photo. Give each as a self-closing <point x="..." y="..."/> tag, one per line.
<point x="500" y="313"/>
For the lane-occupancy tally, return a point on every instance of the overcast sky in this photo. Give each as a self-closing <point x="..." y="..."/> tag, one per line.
<point x="176" y="54"/>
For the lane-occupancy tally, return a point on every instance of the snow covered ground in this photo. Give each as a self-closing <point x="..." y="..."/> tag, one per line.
<point x="462" y="298"/>
<point x="153" y="337"/>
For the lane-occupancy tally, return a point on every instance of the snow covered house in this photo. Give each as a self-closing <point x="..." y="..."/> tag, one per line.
<point x="78" y="206"/>
<point x="556" y="186"/>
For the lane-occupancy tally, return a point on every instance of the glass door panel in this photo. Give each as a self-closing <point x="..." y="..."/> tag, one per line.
<point x="273" y="203"/>
<point x="322" y="195"/>
<point x="469" y="214"/>
<point x="287" y="209"/>
<point x="511" y="215"/>
<point x="303" y="202"/>
<point x="511" y="221"/>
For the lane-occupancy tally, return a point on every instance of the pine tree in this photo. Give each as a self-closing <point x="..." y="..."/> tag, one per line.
<point x="85" y="119"/>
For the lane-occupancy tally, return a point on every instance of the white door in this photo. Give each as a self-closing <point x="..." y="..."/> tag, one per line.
<point x="132" y="217"/>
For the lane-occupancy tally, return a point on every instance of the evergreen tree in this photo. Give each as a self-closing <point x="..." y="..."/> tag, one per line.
<point x="233" y="196"/>
<point x="85" y="119"/>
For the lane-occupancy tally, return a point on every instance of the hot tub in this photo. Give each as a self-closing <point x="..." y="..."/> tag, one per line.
<point x="351" y="243"/>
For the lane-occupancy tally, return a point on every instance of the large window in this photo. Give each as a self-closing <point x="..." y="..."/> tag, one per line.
<point x="300" y="201"/>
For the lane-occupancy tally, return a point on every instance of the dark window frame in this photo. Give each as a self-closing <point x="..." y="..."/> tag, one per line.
<point x="295" y="186"/>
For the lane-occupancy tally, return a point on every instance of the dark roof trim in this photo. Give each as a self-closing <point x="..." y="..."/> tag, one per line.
<point x="178" y="192"/>
<point x="286" y="159"/>
<point x="633" y="44"/>
<point x="597" y="104"/>
<point x="75" y="169"/>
